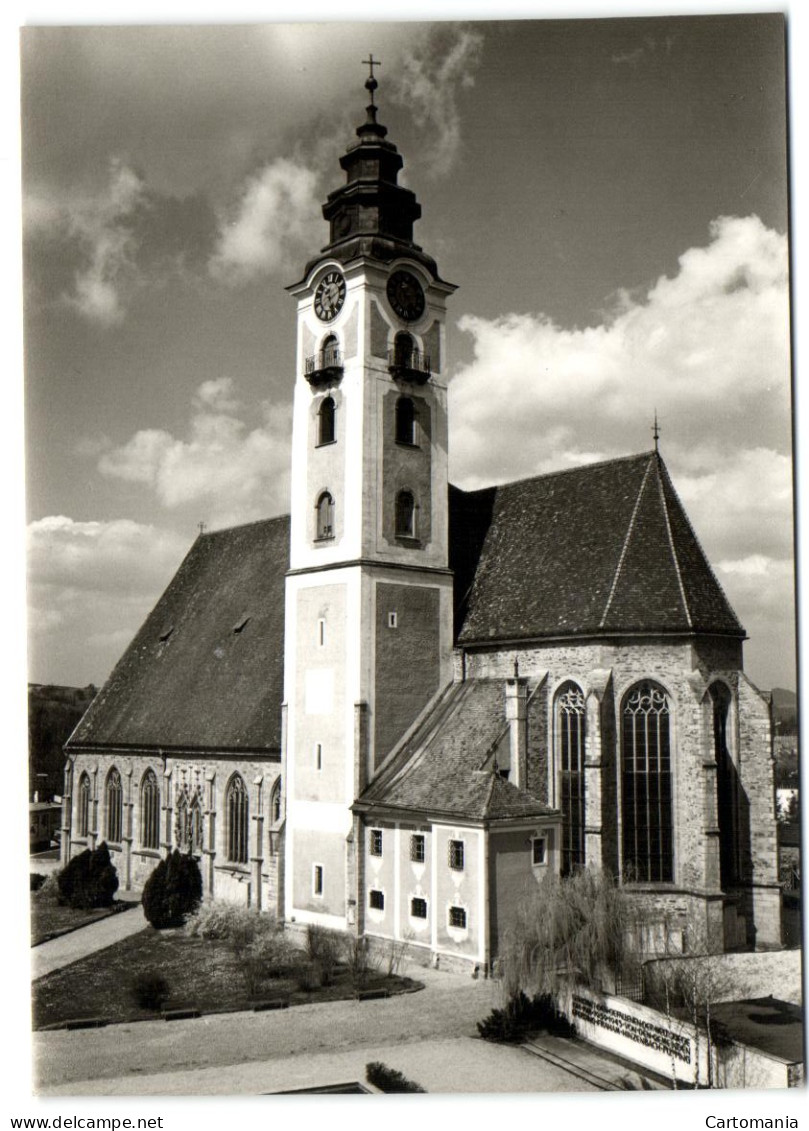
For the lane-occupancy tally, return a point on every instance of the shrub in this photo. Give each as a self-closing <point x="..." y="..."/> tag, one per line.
<point x="522" y="1015"/>
<point x="308" y="975"/>
<point x="89" y="879"/>
<point x="50" y="888"/>
<point x="359" y="959"/>
<point x="150" y="990"/>
<point x="172" y="891"/>
<point x="325" y="949"/>
<point x="388" y="1079"/>
<point x="216" y="919"/>
<point x="36" y="880"/>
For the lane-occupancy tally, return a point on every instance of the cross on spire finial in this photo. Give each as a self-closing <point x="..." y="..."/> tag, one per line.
<point x="370" y="83"/>
<point x="656" y="431"/>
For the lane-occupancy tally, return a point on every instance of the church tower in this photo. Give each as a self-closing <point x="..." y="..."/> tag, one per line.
<point x="369" y="591"/>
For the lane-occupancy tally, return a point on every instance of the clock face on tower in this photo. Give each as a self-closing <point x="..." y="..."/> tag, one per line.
<point x="330" y="296"/>
<point x="405" y="295"/>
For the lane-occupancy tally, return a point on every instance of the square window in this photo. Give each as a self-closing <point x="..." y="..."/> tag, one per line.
<point x="457" y="917"/>
<point x="393" y="620"/>
<point x="376" y="842"/>
<point x="455" y="855"/>
<point x="376" y="900"/>
<point x="539" y="850"/>
<point x="418" y="908"/>
<point x="417" y="848"/>
<point x="317" y="879"/>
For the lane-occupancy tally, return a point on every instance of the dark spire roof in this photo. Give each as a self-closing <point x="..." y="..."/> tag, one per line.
<point x="372" y="214"/>
<point x="602" y="549"/>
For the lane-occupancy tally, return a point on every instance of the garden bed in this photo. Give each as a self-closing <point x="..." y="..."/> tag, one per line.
<point x="50" y="919"/>
<point x="204" y="974"/>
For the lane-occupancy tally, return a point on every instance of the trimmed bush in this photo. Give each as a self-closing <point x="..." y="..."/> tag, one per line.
<point x="150" y="990"/>
<point x="173" y="891"/>
<point x="89" y="879"/>
<point x="388" y="1079"/>
<point x="523" y="1015"/>
<point x="36" y="881"/>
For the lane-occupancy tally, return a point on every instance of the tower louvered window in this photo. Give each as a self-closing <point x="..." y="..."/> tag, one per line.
<point x="570" y="762"/>
<point x="114" y="797"/>
<point x="326" y="422"/>
<point x="646" y="785"/>
<point x="83" y="806"/>
<point x="405" y="421"/>
<point x="405" y="515"/>
<point x="149" y="811"/>
<point x="236" y="805"/>
<point x="325" y="517"/>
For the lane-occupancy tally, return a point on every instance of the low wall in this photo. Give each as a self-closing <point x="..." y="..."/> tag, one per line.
<point x="750" y="975"/>
<point x="670" y="1048"/>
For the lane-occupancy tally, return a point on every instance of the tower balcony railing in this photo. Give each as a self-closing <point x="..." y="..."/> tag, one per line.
<point x="409" y="365"/>
<point x="325" y="366"/>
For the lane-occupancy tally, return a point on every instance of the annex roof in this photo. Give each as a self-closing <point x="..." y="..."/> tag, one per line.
<point x="206" y="669"/>
<point x="596" y="550"/>
<point x="438" y="768"/>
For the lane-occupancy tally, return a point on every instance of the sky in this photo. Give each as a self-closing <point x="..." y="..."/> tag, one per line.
<point x="609" y="196"/>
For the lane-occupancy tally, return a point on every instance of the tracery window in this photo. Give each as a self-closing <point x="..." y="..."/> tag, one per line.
<point x="149" y="811"/>
<point x="114" y="805"/>
<point x="405" y="514"/>
<point x="325" y="517"/>
<point x="326" y="422"/>
<point x="405" y="421"/>
<point x="727" y="787"/>
<point x="189" y="823"/>
<point x="238" y="829"/>
<point x="83" y="806"/>
<point x="570" y="717"/>
<point x="646" y="785"/>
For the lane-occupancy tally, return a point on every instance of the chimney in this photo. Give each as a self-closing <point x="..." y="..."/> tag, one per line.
<point x="516" y="716"/>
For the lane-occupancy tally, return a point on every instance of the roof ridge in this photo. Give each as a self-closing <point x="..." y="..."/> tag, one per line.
<point x="625" y="546"/>
<point x="241" y="526"/>
<point x="554" y="474"/>
<point x="672" y="547"/>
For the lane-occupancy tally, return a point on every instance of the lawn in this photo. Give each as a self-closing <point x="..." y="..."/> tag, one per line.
<point x="49" y="919"/>
<point x="204" y="974"/>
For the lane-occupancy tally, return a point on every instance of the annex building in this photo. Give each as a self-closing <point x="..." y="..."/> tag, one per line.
<point x="398" y="708"/>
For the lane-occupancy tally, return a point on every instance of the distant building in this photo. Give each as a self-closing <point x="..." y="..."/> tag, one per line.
<point x="396" y="710"/>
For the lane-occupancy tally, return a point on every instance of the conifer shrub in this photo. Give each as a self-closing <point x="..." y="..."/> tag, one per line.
<point x="150" y="990"/>
<point x="522" y="1015"/>
<point x="89" y="880"/>
<point x="389" y="1079"/>
<point x="173" y="891"/>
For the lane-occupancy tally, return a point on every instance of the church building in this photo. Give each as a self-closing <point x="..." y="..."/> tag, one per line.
<point x="396" y="710"/>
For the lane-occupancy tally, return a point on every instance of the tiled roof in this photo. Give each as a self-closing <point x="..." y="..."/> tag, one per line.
<point x="595" y="550"/>
<point x="206" y="670"/>
<point x="437" y="769"/>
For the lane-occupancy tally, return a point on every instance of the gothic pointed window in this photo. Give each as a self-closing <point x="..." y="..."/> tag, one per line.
<point x="83" y="806"/>
<point x="325" y="517"/>
<point x="114" y="806"/>
<point x="727" y="787"/>
<point x="646" y="809"/>
<point x="570" y="717"/>
<point x="405" y="421"/>
<point x="275" y="803"/>
<point x="325" y="422"/>
<point x="195" y="825"/>
<point x="237" y="826"/>
<point x="149" y="811"/>
<point x="405" y="515"/>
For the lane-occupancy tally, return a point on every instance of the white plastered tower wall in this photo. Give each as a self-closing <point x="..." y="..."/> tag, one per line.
<point x="344" y="592"/>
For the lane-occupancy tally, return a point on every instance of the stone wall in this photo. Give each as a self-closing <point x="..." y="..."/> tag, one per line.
<point x="776" y="973"/>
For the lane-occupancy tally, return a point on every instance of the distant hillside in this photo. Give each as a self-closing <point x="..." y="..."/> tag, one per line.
<point x="785" y="710"/>
<point x="53" y="713"/>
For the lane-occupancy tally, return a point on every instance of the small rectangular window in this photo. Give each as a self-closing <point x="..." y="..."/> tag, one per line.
<point x="457" y="917"/>
<point x="393" y="620"/>
<point x="318" y="756"/>
<point x="321" y="633"/>
<point x="417" y="848"/>
<point x="376" y="842"/>
<point x="317" y="879"/>
<point x="539" y="850"/>
<point x="418" y="908"/>
<point x="455" y="855"/>
<point x="376" y="900"/>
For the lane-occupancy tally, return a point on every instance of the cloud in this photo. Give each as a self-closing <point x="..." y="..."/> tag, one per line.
<point x="277" y="217"/>
<point x="428" y="83"/>
<point x="233" y="473"/>
<point x="91" y="585"/>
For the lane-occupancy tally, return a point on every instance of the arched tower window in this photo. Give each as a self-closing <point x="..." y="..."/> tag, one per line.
<point x="405" y="514"/>
<point x="149" y="811"/>
<point x="330" y="351"/>
<point x="405" y="421"/>
<point x="646" y="785"/>
<point x="570" y="716"/>
<point x="83" y="806"/>
<point x="238" y="829"/>
<point x="727" y="787"/>
<point x="403" y="346"/>
<point x="325" y="422"/>
<point x="325" y="517"/>
<point x="114" y="806"/>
